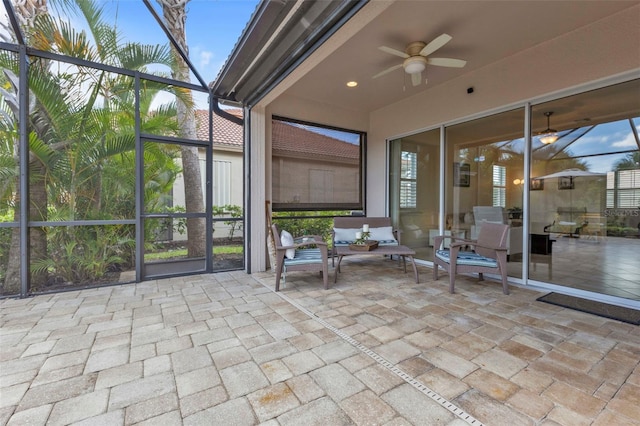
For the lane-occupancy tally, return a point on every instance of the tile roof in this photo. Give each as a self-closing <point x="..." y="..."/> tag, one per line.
<point x="288" y="140"/>
<point x="291" y="140"/>
<point x="225" y="132"/>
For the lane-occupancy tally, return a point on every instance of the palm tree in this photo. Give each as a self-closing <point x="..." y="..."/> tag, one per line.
<point x="79" y="120"/>
<point x="175" y="15"/>
<point x="630" y="162"/>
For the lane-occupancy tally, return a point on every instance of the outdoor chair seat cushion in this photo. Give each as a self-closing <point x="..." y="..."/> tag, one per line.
<point x="304" y="256"/>
<point x="468" y="258"/>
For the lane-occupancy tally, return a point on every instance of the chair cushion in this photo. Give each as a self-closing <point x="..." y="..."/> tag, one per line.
<point x="304" y="257"/>
<point x="345" y="236"/>
<point x="384" y="236"/>
<point x="286" y="239"/>
<point x="467" y="258"/>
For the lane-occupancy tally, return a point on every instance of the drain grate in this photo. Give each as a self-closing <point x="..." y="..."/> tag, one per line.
<point x="459" y="412"/>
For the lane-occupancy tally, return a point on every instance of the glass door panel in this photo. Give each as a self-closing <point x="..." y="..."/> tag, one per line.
<point x="414" y="189"/>
<point x="585" y="193"/>
<point x="484" y="177"/>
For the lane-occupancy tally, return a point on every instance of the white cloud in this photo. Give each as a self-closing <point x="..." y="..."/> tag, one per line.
<point x="627" y="141"/>
<point x="205" y="58"/>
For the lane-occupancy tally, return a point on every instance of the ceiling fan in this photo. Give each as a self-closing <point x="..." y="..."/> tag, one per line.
<point x="416" y="57"/>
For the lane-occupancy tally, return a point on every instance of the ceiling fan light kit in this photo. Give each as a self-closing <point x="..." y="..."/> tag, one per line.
<point x="549" y="135"/>
<point x="415" y="64"/>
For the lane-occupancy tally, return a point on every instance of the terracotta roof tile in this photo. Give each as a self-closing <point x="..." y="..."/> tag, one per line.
<point x="294" y="140"/>
<point x="288" y="139"/>
<point x="225" y="132"/>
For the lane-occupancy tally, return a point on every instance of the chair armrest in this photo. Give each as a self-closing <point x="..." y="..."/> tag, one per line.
<point x="496" y="248"/>
<point x="457" y="241"/>
<point x="454" y="241"/>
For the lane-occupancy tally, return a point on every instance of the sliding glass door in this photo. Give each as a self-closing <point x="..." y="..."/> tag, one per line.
<point x="414" y="190"/>
<point x="583" y="215"/>
<point x="484" y="175"/>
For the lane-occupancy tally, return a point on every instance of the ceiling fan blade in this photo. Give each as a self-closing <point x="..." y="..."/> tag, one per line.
<point x="393" y="51"/>
<point x="387" y="71"/>
<point x="435" y="44"/>
<point x="447" y="62"/>
<point x="416" y="78"/>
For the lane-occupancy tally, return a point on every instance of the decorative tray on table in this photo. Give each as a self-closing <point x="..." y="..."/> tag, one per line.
<point x="366" y="246"/>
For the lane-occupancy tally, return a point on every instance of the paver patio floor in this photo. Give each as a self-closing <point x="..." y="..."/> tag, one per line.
<point x="376" y="348"/>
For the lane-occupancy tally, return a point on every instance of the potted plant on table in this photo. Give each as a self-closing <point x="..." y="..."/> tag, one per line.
<point x="362" y="241"/>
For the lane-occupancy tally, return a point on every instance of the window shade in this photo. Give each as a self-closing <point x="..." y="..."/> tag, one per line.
<point x="315" y="167"/>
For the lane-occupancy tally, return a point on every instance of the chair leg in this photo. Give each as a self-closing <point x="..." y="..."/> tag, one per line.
<point x="505" y="286"/>
<point x="325" y="275"/>
<point x="280" y="264"/>
<point x="452" y="278"/>
<point x="278" y="273"/>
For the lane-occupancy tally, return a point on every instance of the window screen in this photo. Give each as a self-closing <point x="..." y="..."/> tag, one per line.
<point x="316" y="167"/>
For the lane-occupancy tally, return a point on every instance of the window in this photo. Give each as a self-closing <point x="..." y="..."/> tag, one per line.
<point x="316" y="168"/>
<point x="221" y="183"/>
<point x="408" y="176"/>
<point x="623" y="192"/>
<point x="499" y="186"/>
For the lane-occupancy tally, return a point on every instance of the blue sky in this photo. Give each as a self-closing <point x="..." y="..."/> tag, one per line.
<point x="213" y="28"/>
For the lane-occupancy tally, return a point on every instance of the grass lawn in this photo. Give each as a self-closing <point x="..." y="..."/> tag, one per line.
<point x="182" y="253"/>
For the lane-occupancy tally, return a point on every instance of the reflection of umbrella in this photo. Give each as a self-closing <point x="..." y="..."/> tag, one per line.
<point x="570" y="173"/>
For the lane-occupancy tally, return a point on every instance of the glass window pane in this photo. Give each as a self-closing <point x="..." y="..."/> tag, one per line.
<point x="414" y="197"/>
<point x="588" y="207"/>
<point x="484" y="169"/>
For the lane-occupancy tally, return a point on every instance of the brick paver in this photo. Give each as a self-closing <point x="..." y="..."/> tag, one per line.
<point x="206" y="349"/>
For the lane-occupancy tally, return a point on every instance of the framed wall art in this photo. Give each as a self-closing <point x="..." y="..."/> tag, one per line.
<point x="565" y="182"/>
<point x="536" y="185"/>
<point x="462" y="175"/>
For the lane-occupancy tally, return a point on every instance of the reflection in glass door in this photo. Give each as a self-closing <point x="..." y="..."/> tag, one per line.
<point x="414" y="189"/>
<point x="484" y="175"/>
<point x="585" y="192"/>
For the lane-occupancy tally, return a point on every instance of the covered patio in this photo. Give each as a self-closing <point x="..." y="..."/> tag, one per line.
<point x="376" y="348"/>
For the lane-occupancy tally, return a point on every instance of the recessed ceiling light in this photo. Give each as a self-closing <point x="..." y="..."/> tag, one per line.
<point x="352" y="84"/>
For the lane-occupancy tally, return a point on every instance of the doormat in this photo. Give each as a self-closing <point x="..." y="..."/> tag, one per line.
<point x="631" y="316"/>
